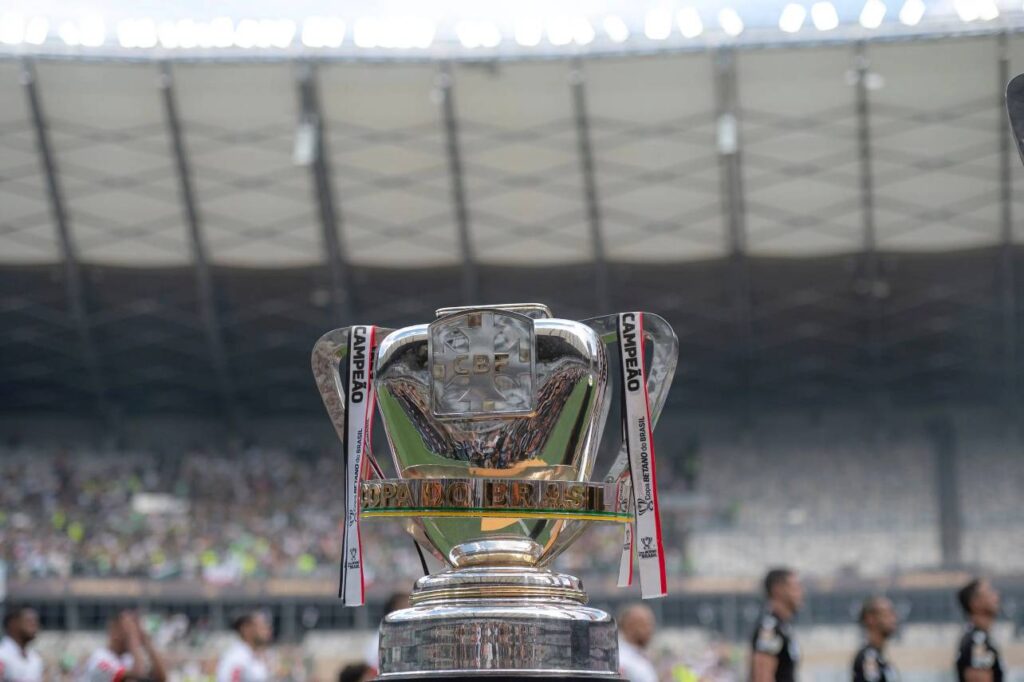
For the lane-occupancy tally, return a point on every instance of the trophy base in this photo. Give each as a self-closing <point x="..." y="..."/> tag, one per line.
<point x="499" y="623"/>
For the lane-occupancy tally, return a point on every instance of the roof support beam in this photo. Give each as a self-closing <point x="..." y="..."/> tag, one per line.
<point x="470" y="276"/>
<point x="208" y="309"/>
<point x="342" y="293"/>
<point x="73" y="279"/>
<point x="577" y="81"/>
<point x="871" y="286"/>
<point x="734" y="213"/>
<point x="1007" y="275"/>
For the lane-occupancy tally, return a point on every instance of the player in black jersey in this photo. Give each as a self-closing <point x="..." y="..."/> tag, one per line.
<point x="878" y="618"/>
<point x="978" y="659"/>
<point x="775" y="654"/>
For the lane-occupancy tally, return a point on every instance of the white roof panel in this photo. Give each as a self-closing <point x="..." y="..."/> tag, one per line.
<point x="257" y="205"/>
<point x="27" y="232"/>
<point x="112" y="151"/>
<point x="522" y="169"/>
<point x="652" y="124"/>
<point x="936" y="127"/>
<point x="389" y="164"/>
<point x="801" y="180"/>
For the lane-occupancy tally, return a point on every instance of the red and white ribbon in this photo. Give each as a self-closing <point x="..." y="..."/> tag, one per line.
<point x="359" y="410"/>
<point x="638" y="434"/>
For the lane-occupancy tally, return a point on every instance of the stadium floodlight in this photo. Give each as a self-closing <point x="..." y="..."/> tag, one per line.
<point x="12" y="29"/>
<point x="280" y="33"/>
<point x="912" y="12"/>
<point x="132" y="33"/>
<point x="36" y="31"/>
<point x="528" y="31"/>
<point x="187" y="33"/>
<point x="792" y="18"/>
<point x="167" y="33"/>
<point x="490" y="36"/>
<point x="987" y="10"/>
<point x="222" y="32"/>
<point x="474" y="34"/>
<point x="658" y="23"/>
<point x="69" y="33"/>
<point x="559" y="31"/>
<point x="690" y="24"/>
<point x="730" y="21"/>
<point x="616" y="28"/>
<point x="872" y="14"/>
<point x="824" y="16"/>
<point x="92" y="31"/>
<point x="967" y="10"/>
<point x="582" y="31"/>
<point x="366" y="32"/>
<point x="246" y="34"/>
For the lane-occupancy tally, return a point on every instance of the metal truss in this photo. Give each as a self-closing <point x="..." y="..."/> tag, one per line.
<point x="872" y="327"/>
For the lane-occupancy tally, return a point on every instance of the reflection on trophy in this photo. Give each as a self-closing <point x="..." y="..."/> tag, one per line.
<point x="494" y="415"/>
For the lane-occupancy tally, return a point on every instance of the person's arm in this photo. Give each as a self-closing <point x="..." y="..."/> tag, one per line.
<point x="134" y="635"/>
<point x="762" y="668"/>
<point x="157" y="670"/>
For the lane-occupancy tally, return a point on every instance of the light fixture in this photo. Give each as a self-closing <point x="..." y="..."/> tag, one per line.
<point x="824" y="16"/>
<point x="36" y="31"/>
<point x="616" y="28"/>
<point x="912" y="12"/>
<point x="582" y="31"/>
<point x="247" y="34"/>
<point x="690" y="24"/>
<point x="92" y="31"/>
<point x="967" y="10"/>
<point x="528" y="31"/>
<point x="987" y="10"/>
<point x="730" y="21"/>
<point x="559" y="31"/>
<point x="658" y="23"/>
<point x="222" y="32"/>
<point x="792" y="18"/>
<point x="12" y="29"/>
<point x="872" y="14"/>
<point x="69" y="33"/>
<point x="366" y="32"/>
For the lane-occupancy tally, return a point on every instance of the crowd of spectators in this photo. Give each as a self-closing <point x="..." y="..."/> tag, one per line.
<point x="730" y="506"/>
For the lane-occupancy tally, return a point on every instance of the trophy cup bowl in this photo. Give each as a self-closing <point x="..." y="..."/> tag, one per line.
<point x="494" y="416"/>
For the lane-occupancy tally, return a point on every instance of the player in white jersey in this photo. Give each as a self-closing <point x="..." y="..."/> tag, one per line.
<point x="18" y="663"/>
<point x="128" y="656"/>
<point x="243" y="659"/>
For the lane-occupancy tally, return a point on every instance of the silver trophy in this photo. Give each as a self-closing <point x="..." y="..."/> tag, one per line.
<point x="494" y="415"/>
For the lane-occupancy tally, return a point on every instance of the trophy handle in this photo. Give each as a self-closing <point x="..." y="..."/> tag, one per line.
<point x="329" y="355"/>
<point x="661" y="370"/>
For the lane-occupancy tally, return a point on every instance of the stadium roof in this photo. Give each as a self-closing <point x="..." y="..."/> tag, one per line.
<point x="817" y="222"/>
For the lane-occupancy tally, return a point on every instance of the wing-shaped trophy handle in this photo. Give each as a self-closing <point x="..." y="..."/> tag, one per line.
<point x="1015" y="110"/>
<point x="662" y="369"/>
<point x="329" y="356"/>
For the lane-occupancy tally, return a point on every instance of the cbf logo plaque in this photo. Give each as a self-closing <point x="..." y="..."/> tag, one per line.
<point x="482" y="364"/>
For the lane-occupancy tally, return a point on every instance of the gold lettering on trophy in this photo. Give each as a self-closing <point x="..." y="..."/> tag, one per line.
<point x="481" y="364"/>
<point x="458" y="494"/>
<point x="499" y="494"/>
<point x="431" y="493"/>
<point x="522" y="495"/>
<point x="575" y="496"/>
<point x="500" y="361"/>
<point x="388" y="491"/>
<point x="371" y="495"/>
<point x="404" y="496"/>
<point x="552" y="498"/>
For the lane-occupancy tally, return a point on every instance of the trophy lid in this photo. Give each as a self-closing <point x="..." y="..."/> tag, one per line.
<point x="535" y="311"/>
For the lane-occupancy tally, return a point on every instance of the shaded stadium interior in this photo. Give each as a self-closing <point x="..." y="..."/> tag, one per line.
<point x="856" y="252"/>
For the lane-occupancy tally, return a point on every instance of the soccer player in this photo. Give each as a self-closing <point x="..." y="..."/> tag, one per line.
<point x="878" y="618"/>
<point x="243" y="661"/>
<point x="775" y="654"/>
<point x="18" y="663"/>
<point x="126" y="655"/>
<point x="636" y="629"/>
<point x="978" y="659"/>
